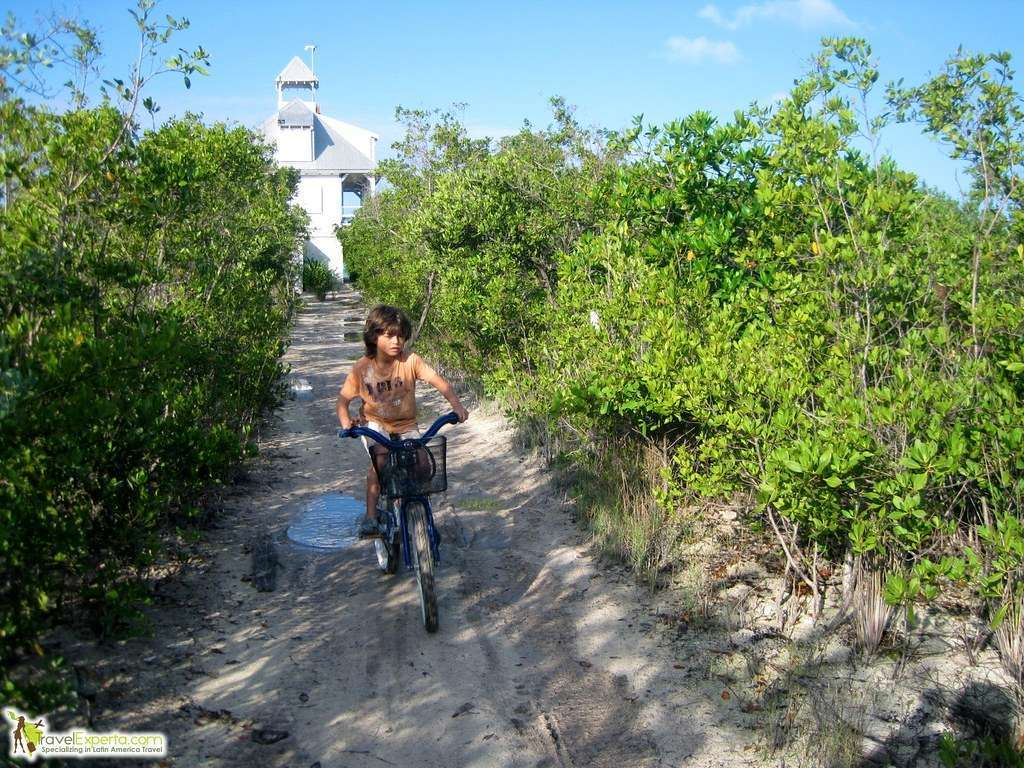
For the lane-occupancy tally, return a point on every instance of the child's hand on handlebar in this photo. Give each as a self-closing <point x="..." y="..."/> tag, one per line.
<point x="461" y="412"/>
<point x="358" y="421"/>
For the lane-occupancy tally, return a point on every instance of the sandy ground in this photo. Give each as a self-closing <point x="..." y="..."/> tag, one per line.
<point x="543" y="657"/>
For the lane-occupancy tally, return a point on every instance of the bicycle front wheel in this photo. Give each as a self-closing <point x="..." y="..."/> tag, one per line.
<point x="423" y="562"/>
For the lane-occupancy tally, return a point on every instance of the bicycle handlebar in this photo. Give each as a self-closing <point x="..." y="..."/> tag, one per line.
<point x="448" y="418"/>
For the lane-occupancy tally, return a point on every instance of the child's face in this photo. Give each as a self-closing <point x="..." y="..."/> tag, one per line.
<point x="389" y="343"/>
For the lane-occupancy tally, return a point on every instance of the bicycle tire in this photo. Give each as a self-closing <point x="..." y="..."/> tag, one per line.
<point x="423" y="562"/>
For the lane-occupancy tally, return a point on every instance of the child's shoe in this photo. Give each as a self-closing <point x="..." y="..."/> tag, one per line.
<point x="369" y="528"/>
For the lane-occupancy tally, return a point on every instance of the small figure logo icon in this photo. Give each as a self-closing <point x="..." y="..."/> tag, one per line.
<point x="25" y="734"/>
<point x="31" y="738"/>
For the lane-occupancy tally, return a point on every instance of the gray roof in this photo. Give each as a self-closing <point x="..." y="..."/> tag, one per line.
<point x="295" y="113"/>
<point x="332" y="153"/>
<point x="297" y="72"/>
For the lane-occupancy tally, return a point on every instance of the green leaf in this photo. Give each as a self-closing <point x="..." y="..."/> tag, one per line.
<point x="998" y="617"/>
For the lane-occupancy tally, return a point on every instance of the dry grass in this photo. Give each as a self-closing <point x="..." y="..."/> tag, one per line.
<point x="812" y="719"/>
<point x="613" y="484"/>
<point x="692" y="589"/>
<point x="1010" y="635"/>
<point x="534" y="433"/>
<point x="617" y="497"/>
<point x="871" y="614"/>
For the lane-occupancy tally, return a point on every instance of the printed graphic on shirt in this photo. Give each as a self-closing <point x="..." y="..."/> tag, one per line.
<point x="389" y="397"/>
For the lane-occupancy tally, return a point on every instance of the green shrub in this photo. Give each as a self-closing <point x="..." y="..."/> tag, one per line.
<point x="318" y="278"/>
<point x="796" y="322"/>
<point x="145" y="303"/>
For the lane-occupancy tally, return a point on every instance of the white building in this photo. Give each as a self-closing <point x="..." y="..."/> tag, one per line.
<point x="337" y="161"/>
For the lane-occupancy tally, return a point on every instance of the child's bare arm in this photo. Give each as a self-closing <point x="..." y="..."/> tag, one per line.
<point x="348" y="392"/>
<point x="342" y="409"/>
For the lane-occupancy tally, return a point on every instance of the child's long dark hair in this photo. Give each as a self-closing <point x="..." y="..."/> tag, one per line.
<point x="384" y="318"/>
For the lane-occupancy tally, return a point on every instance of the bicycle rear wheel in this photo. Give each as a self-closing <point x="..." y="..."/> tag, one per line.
<point x="423" y="562"/>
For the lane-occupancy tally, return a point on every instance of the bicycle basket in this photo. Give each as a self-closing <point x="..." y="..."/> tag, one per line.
<point x="414" y="471"/>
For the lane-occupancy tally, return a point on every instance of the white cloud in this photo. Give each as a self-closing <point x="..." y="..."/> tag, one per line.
<point x="701" y="49"/>
<point x="803" y="13"/>
<point x="712" y="14"/>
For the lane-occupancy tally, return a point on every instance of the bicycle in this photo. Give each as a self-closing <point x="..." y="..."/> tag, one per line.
<point x="409" y="470"/>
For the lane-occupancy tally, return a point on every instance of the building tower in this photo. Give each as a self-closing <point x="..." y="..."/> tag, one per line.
<point x="336" y="161"/>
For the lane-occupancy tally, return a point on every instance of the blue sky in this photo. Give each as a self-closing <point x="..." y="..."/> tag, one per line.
<point x="612" y="60"/>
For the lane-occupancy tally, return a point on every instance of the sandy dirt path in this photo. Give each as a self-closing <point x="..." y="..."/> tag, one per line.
<point x="542" y="658"/>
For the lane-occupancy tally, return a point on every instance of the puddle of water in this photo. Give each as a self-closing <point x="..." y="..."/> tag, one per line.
<point x="352" y="336"/>
<point x="302" y="389"/>
<point x="328" y="522"/>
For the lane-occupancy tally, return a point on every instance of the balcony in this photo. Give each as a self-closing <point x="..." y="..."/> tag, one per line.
<point x="347" y="214"/>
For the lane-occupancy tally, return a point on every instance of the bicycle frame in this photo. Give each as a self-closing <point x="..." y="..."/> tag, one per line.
<point x="432" y="534"/>
<point x="396" y="445"/>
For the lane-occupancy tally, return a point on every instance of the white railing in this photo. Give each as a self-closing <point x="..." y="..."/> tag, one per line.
<point x="348" y="212"/>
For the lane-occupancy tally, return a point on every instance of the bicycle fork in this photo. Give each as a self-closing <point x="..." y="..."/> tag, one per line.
<point x="432" y="535"/>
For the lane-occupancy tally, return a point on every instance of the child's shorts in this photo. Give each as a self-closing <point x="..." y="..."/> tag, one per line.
<point x="378" y="428"/>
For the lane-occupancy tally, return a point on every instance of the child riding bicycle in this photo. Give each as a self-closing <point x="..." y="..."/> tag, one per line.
<point x="385" y="378"/>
